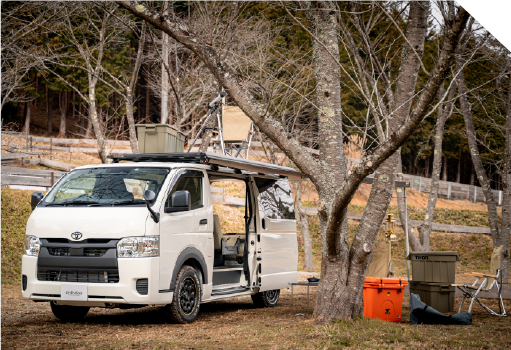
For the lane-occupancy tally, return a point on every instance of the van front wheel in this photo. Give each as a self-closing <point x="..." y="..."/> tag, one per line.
<point x="267" y="298"/>
<point x="67" y="313"/>
<point x="187" y="294"/>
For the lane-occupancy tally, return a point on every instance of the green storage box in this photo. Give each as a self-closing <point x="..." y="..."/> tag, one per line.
<point x="440" y="296"/>
<point x="159" y="138"/>
<point x="437" y="267"/>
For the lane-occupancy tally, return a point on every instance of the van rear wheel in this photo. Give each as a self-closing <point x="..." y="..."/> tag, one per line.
<point x="187" y="294"/>
<point x="267" y="298"/>
<point x="67" y="313"/>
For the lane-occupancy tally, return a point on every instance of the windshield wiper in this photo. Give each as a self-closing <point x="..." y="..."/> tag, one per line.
<point x="129" y="201"/>
<point x="71" y="202"/>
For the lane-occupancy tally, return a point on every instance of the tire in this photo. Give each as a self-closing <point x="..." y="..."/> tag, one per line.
<point x="186" y="300"/>
<point x="268" y="298"/>
<point x="67" y="313"/>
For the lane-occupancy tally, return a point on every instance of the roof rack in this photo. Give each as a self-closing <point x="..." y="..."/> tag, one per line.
<point x="225" y="161"/>
<point x="213" y="159"/>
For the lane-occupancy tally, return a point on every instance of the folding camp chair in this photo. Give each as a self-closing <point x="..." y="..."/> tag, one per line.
<point x="490" y="281"/>
<point x="237" y="130"/>
<point x="380" y="265"/>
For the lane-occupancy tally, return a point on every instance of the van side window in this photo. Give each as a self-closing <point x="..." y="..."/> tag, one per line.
<point x="276" y="199"/>
<point x="190" y="181"/>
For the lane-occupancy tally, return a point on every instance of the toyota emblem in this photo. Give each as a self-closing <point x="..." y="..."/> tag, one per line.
<point x="76" y="235"/>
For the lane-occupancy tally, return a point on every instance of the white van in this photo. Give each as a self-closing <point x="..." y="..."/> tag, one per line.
<point x="142" y="232"/>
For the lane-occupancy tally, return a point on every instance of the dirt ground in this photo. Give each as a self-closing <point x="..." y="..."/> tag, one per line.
<point x="237" y="324"/>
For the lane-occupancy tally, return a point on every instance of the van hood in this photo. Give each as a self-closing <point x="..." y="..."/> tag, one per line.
<point x="92" y="222"/>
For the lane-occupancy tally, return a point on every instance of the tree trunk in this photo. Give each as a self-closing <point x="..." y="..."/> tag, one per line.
<point x="331" y="300"/>
<point x="164" y="77"/>
<point x="131" y="125"/>
<point x="444" y="167"/>
<point x="416" y="33"/>
<point x="472" y="177"/>
<point x="425" y="227"/>
<point x="26" y="128"/>
<point x="482" y="177"/>
<point x="147" y="102"/>
<point x="303" y="222"/>
<point x="63" y="112"/>
<point x="505" y="230"/>
<point x="96" y="124"/>
<point x="49" y="126"/>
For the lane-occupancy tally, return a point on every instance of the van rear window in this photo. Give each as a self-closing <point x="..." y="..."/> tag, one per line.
<point x="276" y="200"/>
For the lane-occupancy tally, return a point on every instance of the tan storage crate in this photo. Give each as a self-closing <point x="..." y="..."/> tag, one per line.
<point x="159" y="138"/>
<point x="440" y="296"/>
<point x="434" y="267"/>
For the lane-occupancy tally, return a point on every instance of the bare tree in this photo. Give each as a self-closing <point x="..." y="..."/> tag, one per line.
<point x="89" y="38"/>
<point x="343" y="267"/>
<point x="500" y="236"/>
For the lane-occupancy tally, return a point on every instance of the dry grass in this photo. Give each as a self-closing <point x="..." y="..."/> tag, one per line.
<point x="236" y="324"/>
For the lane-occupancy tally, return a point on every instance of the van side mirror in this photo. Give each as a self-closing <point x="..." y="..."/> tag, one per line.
<point x="180" y="201"/>
<point x="36" y="198"/>
<point x="150" y="196"/>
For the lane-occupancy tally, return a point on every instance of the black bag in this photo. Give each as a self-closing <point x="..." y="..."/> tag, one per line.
<point x="424" y="314"/>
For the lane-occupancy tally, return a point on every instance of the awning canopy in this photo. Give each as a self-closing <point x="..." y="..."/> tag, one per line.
<point x="213" y="159"/>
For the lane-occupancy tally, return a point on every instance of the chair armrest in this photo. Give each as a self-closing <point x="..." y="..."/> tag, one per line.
<point x="477" y="274"/>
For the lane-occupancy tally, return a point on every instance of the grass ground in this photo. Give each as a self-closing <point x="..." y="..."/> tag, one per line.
<point x="236" y="324"/>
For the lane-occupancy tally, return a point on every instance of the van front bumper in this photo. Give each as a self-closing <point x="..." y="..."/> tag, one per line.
<point x="100" y="294"/>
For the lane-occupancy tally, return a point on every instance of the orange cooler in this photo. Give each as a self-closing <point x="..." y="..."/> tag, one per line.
<point x="383" y="298"/>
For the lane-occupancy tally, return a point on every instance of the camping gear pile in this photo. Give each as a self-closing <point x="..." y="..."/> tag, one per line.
<point x="432" y="276"/>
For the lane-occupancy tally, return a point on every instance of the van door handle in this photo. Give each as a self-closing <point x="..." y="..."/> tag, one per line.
<point x="203" y="222"/>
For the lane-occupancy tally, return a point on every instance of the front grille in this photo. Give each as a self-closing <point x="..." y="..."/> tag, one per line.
<point x="58" y="251"/>
<point x="90" y="240"/>
<point x="91" y="252"/>
<point x="79" y="276"/>
<point x="143" y="286"/>
<point x="24" y="282"/>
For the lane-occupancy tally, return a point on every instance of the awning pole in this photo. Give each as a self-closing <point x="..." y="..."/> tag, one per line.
<point x="406" y="234"/>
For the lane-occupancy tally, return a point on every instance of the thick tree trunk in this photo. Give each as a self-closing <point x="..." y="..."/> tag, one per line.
<point x="482" y="177"/>
<point x="303" y="222"/>
<point x="425" y="227"/>
<point x="331" y="302"/>
<point x="63" y="113"/>
<point x="26" y="128"/>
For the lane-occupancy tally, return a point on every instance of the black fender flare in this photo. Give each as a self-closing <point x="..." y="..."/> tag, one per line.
<point x="189" y="253"/>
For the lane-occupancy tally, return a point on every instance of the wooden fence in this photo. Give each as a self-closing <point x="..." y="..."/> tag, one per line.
<point x="16" y="176"/>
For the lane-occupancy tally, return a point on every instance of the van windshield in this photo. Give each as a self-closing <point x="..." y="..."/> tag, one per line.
<point x="106" y="186"/>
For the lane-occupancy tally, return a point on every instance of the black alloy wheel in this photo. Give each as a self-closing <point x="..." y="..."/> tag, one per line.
<point x="188" y="295"/>
<point x="186" y="299"/>
<point x="267" y="298"/>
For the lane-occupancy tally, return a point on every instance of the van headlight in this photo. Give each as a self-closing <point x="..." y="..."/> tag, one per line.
<point x="138" y="247"/>
<point x="32" y="245"/>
